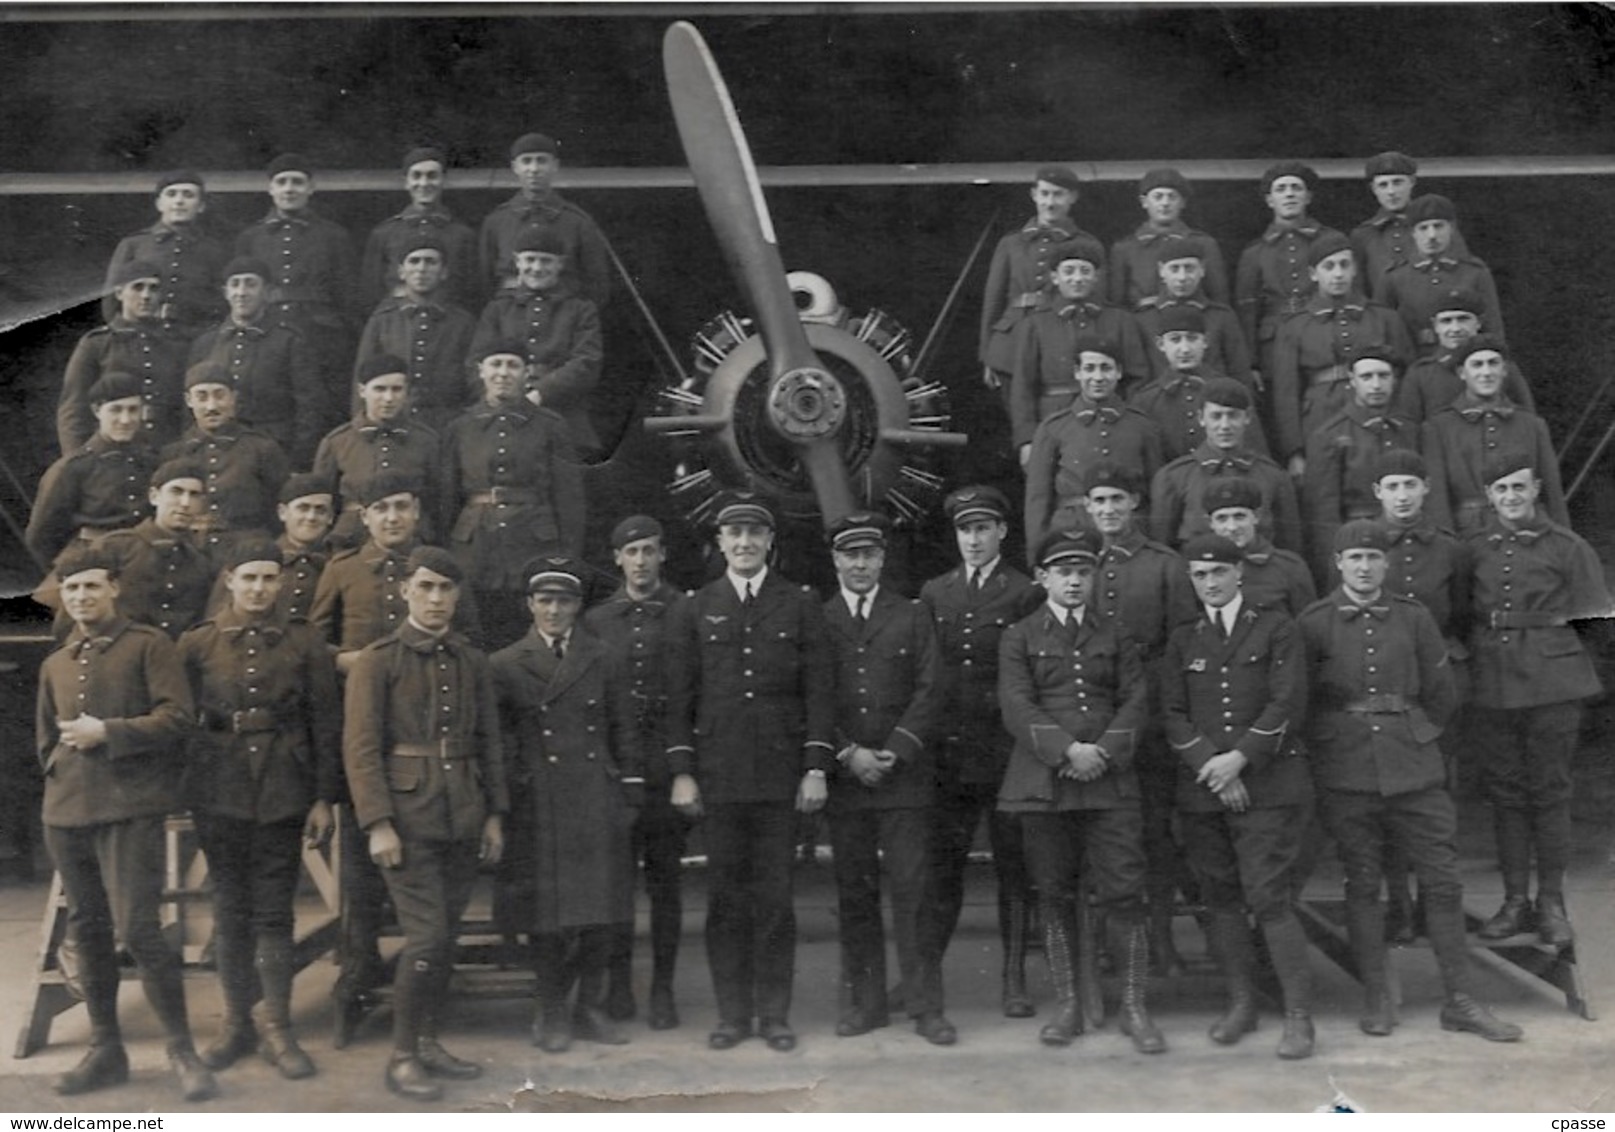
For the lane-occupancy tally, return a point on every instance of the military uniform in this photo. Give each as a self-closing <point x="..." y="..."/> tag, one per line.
<point x="245" y="469"/>
<point x="352" y="455"/>
<point x="1276" y="579"/>
<point x="1226" y="350"/>
<point x="972" y="752"/>
<point x="1457" y="442"/>
<point x="1432" y="383"/>
<point x="1339" y="481"/>
<point x="300" y="570"/>
<point x="1385" y="240"/>
<point x="1531" y="675"/>
<point x="1134" y="260"/>
<point x="1312" y="358"/>
<point x="888" y="671"/>
<point x="164" y="577"/>
<point x="357" y="600"/>
<point x="266" y="748"/>
<point x="398" y="235"/>
<point x="101" y="487"/>
<point x="1273" y="282"/>
<point x="104" y="810"/>
<point x="148" y="350"/>
<point x="751" y="707"/>
<point x="1045" y="358"/>
<point x="276" y="380"/>
<point x="588" y="255"/>
<point x="312" y="289"/>
<point x="191" y="262"/>
<point x="1417" y="288"/>
<point x="434" y="340"/>
<point x="561" y="332"/>
<point x="1429" y="563"/>
<point x="1174" y="402"/>
<point x="1070" y="441"/>
<point x="1177" y="512"/>
<point x="1016" y="278"/>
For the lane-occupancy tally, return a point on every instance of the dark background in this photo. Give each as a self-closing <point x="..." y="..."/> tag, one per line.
<point x="100" y="94"/>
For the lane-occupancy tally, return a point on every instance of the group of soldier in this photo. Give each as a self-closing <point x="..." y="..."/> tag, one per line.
<point x="397" y="638"/>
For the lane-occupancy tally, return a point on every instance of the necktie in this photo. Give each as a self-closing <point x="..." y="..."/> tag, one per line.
<point x="1224" y="623"/>
<point x="751" y="596"/>
<point x="863" y="609"/>
<point x="978" y="581"/>
<point x="560" y="648"/>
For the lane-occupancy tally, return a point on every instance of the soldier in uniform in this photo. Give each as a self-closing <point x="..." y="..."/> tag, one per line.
<point x="1432" y="383"/>
<point x="311" y="258"/>
<point x="262" y="776"/>
<point x="418" y="324"/>
<point x="751" y="716"/>
<point x="1386" y="238"/>
<point x="1020" y="271"/>
<point x="245" y="467"/>
<point x="1272" y="282"/>
<point x="1479" y="424"/>
<point x="1177" y="496"/>
<point x="1182" y="275"/>
<point x="1342" y="452"/>
<point x="305" y="508"/>
<point x="567" y="710"/>
<point x="101" y="486"/>
<point x="113" y="712"/>
<point x="1271" y="577"/>
<point x="135" y="341"/>
<point x="189" y="258"/>
<point x="164" y="577"/>
<point x="1174" y="399"/>
<point x="381" y="439"/>
<point x="888" y="671"/>
<point x="1533" y="579"/>
<point x="536" y="159"/>
<point x="278" y="384"/>
<point x="1046" y="354"/>
<point x="1073" y="693"/>
<point x="1096" y="427"/>
<point x="1233" y="694"/>
<point x="559" y="329"/>
<point x="632" y="623"/>
<point x="1162" y="194"/>
<point x="424" y="217"/>
<point x="421" y="746"/>
<point x="1380" y="690"/>
<point x="1313" y="351"/>
<point x="1414" y="287"/>
<point x="1140" y="584"/>
<point x="972" y="605"/>
<point x="510" y="474"/>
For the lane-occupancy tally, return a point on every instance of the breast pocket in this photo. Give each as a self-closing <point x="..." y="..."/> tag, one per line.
<point x="405" y="773"/>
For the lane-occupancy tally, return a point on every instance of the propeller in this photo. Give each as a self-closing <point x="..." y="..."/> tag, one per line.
<point x="806" y="404"/>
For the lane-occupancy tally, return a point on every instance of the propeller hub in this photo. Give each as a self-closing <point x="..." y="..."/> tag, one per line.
<point x="806" y="404"/>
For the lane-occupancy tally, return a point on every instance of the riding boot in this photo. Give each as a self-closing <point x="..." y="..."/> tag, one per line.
<point x="1130" y="943"/>
<point x="618" y="1001"/>
<point x="666" y="926"/>
<point x="274" y="1012"/>
<point x="106" y="1062"/>
<point x="233" y="956"/>
<point x="1231" y="938"/>
<point x="412" y="990"/>
<point x="1513" y="830"/>
<point x="1287" y="945"/>
<point x="1365" y="924"/>
<point x="1164" y="957"/>
<point x="552" y="1021"/>
<point x="1014" y="923"/>
<point x="1550" y="830"/>
<point x="1060" y="946"/>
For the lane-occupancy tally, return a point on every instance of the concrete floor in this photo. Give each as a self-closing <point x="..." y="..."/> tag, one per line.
<point x="1563" y="1065"/>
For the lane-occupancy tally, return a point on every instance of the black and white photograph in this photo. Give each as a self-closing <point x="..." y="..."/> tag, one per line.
<point x="813" y="558"/>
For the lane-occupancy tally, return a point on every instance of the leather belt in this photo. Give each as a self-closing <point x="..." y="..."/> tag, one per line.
<point x="449" y="750"/>
<point x="237" y="722"/>
<point x="1060" y="391"/>
<point x="1381" y="703"/>
<point x="1027" y="299"/>
<point x="1328" y="375"/>
<point x="1522" y="619"/>
<point x="505" y="495"/>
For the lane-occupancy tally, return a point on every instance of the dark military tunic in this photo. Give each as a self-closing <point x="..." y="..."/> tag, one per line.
<point x="192" y="264"/>
<point x="1432" y="383"/>
<point x="164" y="578"/>
<point x="245" y="469"/>
<point x="1274" y="281"/>
<point x="101" y="487"/>
<point x="572" y="735"/>
<point x="1277" y="579"/>
<point x="1419" y="287"/>
<point x="357" y="600"/>
<point x="588" y="255"/>
<point x="1174" y="402"/>
<point x="1144" y="587"/>
<point x="1385" y="240"/>
<point x="1312" y="358"/>
<point x="1068" y="444"/>
<point x="1339" y="481"/>
<point x="510" y="474"/>
<point x="276" y="379"/>
<point x="1226" y="351"/>
<point x="434" y="340"/>
<point x="562" y="333"/>
<point x="129" y="676"/>
<point x="398" y="235"/>
<point x="1432" y="565"/>
<point x="1135" y="259"/>
<point x="1015" y="287"/>
<point x="269" y="718"/>
<point x="148" y="350"/>
<point x="1177" y="507"/>
<point x="1457" y="442"/>
<point x="635" y="632"/>
<point x="311" y="259"/>
<point x="300" y="572"/>
<point x="352" y="455"/>
<point x="1044" y="378"/>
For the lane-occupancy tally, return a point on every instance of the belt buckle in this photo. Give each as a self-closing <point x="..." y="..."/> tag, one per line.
<point x="235" y="720"/>
<point x="1491" y="619"/>
<point x="496" y="495"/>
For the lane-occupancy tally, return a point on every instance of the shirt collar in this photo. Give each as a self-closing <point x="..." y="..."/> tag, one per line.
<point x="755" y="581"/>
<point x="1061" y="613"/>
<point x="986" y="571"/>
<point x="1229" y="612"/>
<point x="853" y="599"/>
